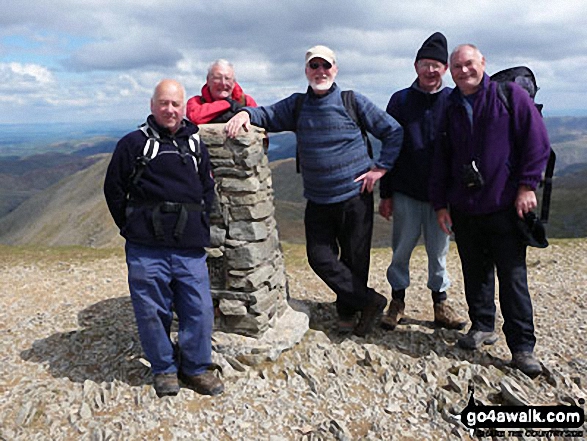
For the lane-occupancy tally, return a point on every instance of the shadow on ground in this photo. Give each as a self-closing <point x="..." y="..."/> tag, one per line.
<point x="413" y="337"/>
<point x="105" y="348"/>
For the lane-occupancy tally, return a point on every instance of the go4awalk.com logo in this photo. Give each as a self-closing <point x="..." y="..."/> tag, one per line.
<point x="543" y="421"/>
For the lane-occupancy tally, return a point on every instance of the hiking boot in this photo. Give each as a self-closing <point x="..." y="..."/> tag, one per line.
<point x="395" y="312"/>
<point x="527" y="363"/>
<point x="166" y="385"/>
<point x="370" y="314"/>
<point x="446" y="317"/>
<point x="206" y="383"/>
<point x="474" y="339"/>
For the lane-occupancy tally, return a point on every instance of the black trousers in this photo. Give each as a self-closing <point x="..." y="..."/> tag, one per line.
<point x="338" y="245"/>
<point x="486" y="244"/>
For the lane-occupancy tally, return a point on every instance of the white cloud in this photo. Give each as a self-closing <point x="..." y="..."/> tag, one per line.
<point x="101" y="58"/>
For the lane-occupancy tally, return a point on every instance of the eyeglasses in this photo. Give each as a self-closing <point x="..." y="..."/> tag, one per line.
<point x="315" y="65"/>
<point x="426" y="65"/>
<point x="220" y="78"/>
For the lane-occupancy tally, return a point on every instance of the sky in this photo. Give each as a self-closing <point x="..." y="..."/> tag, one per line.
<point x="99" y="60"/>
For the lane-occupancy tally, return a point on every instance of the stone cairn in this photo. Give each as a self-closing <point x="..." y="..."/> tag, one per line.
<point x="245" y="260"/>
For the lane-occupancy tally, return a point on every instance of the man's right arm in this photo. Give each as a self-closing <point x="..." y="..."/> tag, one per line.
<point x="278" y="117"/>
<point x="202" y="113"/>
<point x="116" y="182"/>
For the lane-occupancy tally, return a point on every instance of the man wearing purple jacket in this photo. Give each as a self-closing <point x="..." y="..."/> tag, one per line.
<point x="486" y="169"/>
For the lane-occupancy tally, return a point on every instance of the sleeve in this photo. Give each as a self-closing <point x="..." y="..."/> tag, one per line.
<point x="278" y="117"/>
<point x="531" y="138"/>
<point x="439" y="174"/>
<point x="116" y="182"/>
<point x="202" y="113"/>
<point x="384" y="127"/>
<point x="385" y="189"/>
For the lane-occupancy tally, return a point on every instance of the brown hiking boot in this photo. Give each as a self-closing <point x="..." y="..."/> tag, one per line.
<point x="446" y="317"/>
<point x="395" y="312"/>
<point x="166" y="385"/>
<point x="205" y="384"/>
<point x="370" y="314"/>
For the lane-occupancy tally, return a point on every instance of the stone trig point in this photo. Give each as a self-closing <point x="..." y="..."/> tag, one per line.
<point x="254" y="321"/>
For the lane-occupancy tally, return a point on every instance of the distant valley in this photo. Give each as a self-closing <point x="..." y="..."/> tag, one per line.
<point x="51" y="193"/>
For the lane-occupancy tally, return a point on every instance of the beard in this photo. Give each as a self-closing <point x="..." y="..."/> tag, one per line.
<point x="321" y="86"/>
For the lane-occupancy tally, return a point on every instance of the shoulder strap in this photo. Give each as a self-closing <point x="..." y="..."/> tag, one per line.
<point x="195" y="149"/>
<point x="149" y="152"/>
<point x="350" y="104"/>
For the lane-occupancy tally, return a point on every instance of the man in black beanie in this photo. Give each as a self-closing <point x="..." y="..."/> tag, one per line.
<point x="404" y="190"/>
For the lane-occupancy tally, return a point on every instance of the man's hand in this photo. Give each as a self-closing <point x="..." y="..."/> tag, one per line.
<point x="444" y="220"/>
<point x="386" y="208"/>
<point x="241" y="119"/>
<point x="370" y="178"/>
<point x="526" y="200"/>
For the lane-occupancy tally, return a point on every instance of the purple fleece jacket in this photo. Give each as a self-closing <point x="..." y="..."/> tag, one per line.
<point x="509" y="149"/>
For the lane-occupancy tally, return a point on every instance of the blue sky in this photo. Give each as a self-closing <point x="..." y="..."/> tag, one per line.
<point x="98" y="60"/>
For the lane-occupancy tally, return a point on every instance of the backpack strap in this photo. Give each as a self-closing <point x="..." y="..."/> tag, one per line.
<point x="149" y="152"/>
<point x="195" y="150"/>
<point x="350" y="104"/>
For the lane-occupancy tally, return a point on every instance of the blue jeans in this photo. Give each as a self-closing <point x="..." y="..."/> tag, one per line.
<point x="162" y="280"/>
<point x="411" y="218"/>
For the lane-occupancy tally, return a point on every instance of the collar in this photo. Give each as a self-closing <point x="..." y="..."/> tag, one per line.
<point x="415" y="85"/>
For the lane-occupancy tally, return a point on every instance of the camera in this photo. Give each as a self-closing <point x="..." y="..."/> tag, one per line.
<point x="471" y="176"/>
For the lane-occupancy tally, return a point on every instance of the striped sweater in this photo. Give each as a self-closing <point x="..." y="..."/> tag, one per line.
<point x="330" y="145"/>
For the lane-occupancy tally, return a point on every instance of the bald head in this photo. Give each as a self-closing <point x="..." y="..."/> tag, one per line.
<point x="168" y="104"/>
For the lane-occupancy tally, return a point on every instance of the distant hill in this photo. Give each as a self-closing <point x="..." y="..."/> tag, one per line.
<point x="70" y="212"/>
<point x="55" y="198"/>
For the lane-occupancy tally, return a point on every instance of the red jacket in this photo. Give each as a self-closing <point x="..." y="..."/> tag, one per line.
<point x="201" y="109"/>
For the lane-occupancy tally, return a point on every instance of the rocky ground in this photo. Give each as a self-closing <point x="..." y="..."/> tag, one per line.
<point x="71" y="366"/>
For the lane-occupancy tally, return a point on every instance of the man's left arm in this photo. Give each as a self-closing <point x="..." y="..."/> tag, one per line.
<point x="531" y="138"/>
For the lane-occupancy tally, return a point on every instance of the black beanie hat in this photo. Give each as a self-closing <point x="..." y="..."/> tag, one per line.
<point x="434" y="48"/>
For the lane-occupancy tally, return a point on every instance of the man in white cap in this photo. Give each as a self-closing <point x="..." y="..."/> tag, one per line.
<point x="338" y="175"/>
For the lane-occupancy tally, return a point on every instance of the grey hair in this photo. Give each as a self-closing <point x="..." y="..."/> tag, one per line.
<point x="220" y="62"/>
<point x="461" y="46"/>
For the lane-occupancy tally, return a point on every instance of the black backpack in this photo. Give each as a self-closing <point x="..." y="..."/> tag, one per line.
<point x="524" y="77"/>
<point x="350" y="104"/>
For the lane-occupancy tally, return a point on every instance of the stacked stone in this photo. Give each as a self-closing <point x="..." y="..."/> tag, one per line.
<point x="247" y="271"/>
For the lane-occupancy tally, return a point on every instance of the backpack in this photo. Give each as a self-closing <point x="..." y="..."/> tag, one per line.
<point x="350" y="105"/>
<point x="524" y="77"/>
<point x="151" y="150"/>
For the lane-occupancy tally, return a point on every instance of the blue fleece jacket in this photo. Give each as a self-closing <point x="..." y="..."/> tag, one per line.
<point x="509" y="150"/>
<point x="419" y="113"/>
<point x="170" y="176"/>
<point x="331" y="149"/>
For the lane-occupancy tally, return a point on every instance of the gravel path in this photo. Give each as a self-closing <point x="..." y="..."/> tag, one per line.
<point x="72" y="368"/>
